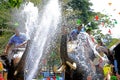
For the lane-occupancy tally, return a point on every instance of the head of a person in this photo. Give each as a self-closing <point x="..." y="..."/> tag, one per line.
<point x="88" y="31"/>
<point x="16" y="31"/>
<point x="79" y="27"/>
<point x="100" y="43"/>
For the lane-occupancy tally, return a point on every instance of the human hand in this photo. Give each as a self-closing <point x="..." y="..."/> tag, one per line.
<point x="18" y="46"/>
<point x="112" y="65"/>
<point x="5" y="52"/>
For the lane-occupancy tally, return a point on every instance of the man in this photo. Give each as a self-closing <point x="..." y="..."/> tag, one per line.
<point x="18" y="40"/>
<point x="75" y="32"/>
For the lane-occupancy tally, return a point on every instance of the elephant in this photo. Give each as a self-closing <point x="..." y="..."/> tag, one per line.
<point x="15" y="72"/>
<point x="78" y="58"/>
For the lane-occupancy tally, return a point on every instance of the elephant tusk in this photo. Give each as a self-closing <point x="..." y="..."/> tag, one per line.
<point x="15" y="72"/>
<point x="61" y="69"/>
<point x="73" y="66"/>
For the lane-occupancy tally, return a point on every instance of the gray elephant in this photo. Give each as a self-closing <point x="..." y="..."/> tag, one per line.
<point x="78" y="58"/>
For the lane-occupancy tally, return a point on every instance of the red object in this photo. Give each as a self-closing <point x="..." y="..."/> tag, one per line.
<point x="54" y="78"/>
<point x="109" y="31"/>
<point x="96" y="18"/>
<point x="1" y="77"/>
<point x="92" y="39"/>
<point x="48" y="78"/>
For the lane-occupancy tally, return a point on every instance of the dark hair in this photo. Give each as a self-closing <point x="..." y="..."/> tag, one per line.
<point x="80" y="25"/>
<point x="88" y="30"/>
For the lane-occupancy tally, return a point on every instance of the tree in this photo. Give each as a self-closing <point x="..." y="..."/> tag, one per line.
<point x="15" y="3"/>
<point x="4" y="13"/>
<point x="83" y="8"/>
<point x="5" y="18"/>
<point x="74" y="10"/>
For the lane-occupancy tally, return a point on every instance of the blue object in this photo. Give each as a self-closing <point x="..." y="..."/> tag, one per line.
<point x="74" y="33"/>
<point x="46" y="74"/>
<point x="83" y="29"/>
<point x="115" y="65"/>
<point x="17" y="40"/>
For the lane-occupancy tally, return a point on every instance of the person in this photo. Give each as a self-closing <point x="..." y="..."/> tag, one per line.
<point x="75" y="32"/>
<point x="91" y="36"/>
<point x="18" y="40"/>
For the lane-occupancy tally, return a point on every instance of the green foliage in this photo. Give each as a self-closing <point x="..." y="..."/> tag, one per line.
<point x="5" y="17"/>
<point x="54" y="58"/>
<point x="79" y="9"/>
<point x="113" y="42"/>
<point x="4" y="14"/>
<point x="15" y="3"/>
<point x="84" y="7"/>
<point x="4" y="40"/>
<point x="97" y="34"/>
<point x="93" y="25"/>
<point x="36" y="2"/>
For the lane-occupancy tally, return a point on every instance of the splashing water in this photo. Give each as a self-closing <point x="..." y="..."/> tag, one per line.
<point x="84" y="55"/>
<point x="41" y="29"/>
<point x="32" y="15"/>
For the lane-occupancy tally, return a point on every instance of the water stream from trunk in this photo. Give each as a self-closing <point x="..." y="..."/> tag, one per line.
<point x="41" y="27"/>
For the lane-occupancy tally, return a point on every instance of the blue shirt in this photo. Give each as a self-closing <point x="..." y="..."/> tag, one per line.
<point x="73" y="34"/>
<point x="17" y="40"/>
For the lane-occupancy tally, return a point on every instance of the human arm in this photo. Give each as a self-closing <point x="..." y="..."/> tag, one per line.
<point x="22" y="44"/>
<point x="8" y="46"/>
<point x="7" y="49"/>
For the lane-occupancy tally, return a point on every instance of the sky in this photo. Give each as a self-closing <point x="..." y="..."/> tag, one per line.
<point x="113" y="9"/>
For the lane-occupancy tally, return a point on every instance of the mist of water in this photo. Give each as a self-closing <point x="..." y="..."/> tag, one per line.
<point x="41" y="27"/>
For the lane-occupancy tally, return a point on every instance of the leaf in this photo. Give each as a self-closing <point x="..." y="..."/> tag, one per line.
<point x="16" y="24"/>
<point x="15" y="3"/>
<point x="20" y="1"/>
<point x="78" y="21"/>
<point x="14" y="0"/>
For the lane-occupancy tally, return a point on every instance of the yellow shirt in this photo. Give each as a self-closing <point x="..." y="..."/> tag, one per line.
<point x="1" y="66"/>
<point x="106" y="69"/>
